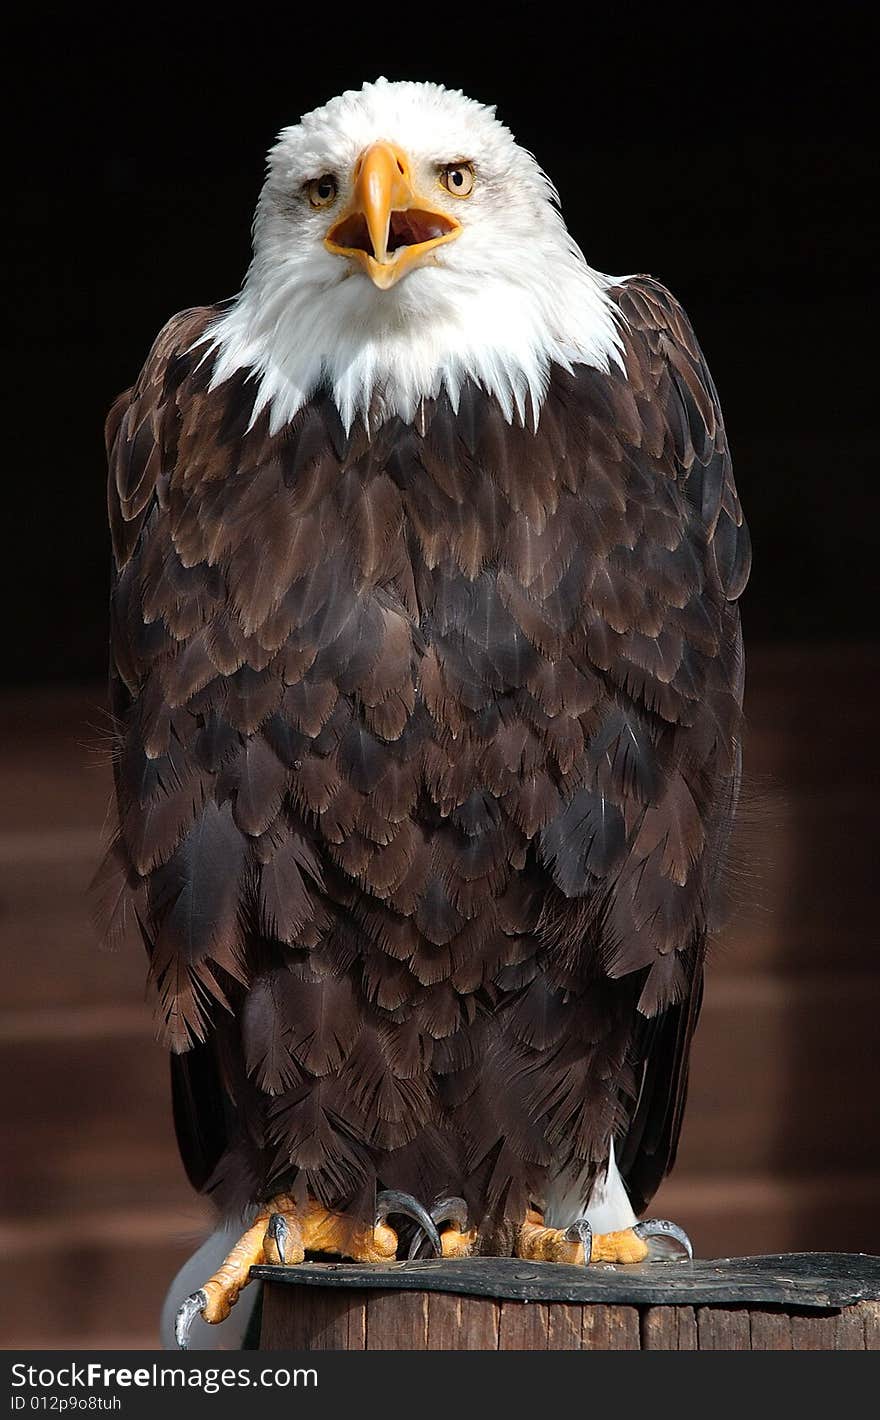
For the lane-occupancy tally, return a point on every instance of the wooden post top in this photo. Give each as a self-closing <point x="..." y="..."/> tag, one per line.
<point x="799" y="1279"/>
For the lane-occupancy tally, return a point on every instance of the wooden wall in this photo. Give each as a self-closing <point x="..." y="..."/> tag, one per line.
<point x="780" y="1149"/>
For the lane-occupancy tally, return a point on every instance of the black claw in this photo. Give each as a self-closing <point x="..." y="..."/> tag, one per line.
<point x="390" y="1201"/>
<point x="451" y="1210"/>
<point x="445" y="1210"/>
<point x="670" y="1232"/>
<point x="189" y="1309"/>
<point x="580" y="1231"/>
<point x="279" y="1232"/>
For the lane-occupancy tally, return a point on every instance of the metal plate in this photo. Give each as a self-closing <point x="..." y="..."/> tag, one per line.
<point x="804" y="1279"/>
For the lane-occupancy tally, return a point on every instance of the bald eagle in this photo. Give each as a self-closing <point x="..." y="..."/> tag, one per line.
<point x="426" y="688"/>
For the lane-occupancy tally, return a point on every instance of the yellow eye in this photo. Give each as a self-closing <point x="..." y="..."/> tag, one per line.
<point x="322" y="191"/>
<point x="459" y="179"/>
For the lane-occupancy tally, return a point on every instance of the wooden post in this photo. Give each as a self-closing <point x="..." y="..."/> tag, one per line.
<point x="798" y="1301"/>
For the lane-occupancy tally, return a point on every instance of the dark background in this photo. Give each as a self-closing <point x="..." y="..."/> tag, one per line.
<point x="726" y="151"/>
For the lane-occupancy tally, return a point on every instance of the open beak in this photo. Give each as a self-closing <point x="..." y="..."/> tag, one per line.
<point x="387" y="228"/>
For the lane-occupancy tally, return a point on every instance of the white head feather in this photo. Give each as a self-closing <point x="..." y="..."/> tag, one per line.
<point x="502" y="303"/>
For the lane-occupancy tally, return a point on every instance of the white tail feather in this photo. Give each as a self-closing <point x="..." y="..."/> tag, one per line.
<point x="607" y="1207"/>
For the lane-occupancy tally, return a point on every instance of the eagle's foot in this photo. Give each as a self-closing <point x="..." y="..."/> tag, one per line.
<point x="215" y="1300"/>
<point x="282" y="1234"/>
<point x="578" y="1244"/>
<point x="457" y="1241"/>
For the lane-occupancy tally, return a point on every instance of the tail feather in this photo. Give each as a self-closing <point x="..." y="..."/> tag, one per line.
<point x="606" y="1206"/>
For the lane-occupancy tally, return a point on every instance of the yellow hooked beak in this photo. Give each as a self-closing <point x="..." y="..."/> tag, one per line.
<point x="387" y="228"/>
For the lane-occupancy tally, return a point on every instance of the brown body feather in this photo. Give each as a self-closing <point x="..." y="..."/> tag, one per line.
<point x="428" y="750"/>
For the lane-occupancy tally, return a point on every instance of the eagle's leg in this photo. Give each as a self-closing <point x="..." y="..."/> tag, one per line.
<point x="283" y="1232"/>
<point x="577" y="1244"/>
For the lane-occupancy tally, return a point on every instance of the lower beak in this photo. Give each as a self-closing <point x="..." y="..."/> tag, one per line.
<point x="387" y="229"/>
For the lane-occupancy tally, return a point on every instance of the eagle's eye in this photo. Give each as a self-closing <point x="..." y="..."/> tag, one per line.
<point x="458" y="178"/>
<point x="322" y="191"/>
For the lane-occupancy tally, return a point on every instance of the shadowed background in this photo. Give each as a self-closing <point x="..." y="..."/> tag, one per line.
<point x="730" y="158"/>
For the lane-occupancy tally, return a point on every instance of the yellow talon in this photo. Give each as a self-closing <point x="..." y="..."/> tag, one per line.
<point x="456" y="1244"/>
<point x="539" y="1244"/>
<point x="623" y="1246"/>
<point x="283" y="1232"/>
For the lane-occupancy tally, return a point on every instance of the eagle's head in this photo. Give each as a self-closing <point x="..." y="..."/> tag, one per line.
<point x="404" y="243"/>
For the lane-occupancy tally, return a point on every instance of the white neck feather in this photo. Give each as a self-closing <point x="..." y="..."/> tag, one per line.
<point x="382" y="352"/>
<point x="503" y="303"/>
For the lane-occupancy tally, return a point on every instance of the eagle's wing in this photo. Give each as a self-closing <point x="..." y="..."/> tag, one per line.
<point x="167" y="822"/>
<point x="237" y="643"/>
<point x="670" y="373"/>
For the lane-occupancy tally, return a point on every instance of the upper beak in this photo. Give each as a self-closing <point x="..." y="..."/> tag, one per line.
<point x="386" y="227"/>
